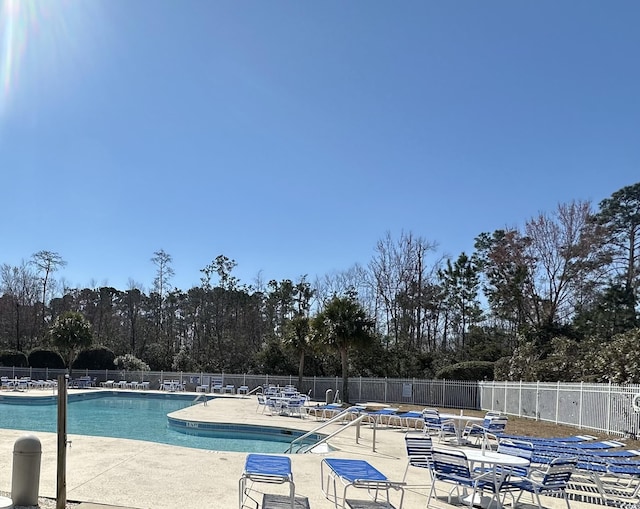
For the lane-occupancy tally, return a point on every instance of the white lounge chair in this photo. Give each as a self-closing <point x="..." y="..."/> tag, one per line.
<point x="216" y="386"/>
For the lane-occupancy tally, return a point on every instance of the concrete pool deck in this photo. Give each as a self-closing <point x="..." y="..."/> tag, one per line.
<point x="139" y="475"/>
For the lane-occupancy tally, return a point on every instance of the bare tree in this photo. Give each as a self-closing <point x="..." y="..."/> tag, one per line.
<point x="401" y="273"/>
<point x="562" y="246"/>
<point x="20" y="286"/>
<point x="46" y="263"/>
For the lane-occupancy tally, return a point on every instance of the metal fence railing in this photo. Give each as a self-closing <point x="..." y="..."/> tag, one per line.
<point x="599" y="407"/>
<point x="441" y="393"/>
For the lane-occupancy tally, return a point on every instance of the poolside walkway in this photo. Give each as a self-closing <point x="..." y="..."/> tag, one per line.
<point x="140" y="475"/>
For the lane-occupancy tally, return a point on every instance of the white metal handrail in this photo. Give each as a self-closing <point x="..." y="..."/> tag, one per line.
<point x="340" y="416"/>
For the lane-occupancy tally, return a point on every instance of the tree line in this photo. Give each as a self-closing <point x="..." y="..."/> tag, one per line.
<point x="554" y="299"/>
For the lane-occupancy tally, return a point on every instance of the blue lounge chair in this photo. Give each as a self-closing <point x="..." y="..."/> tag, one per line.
<point x="378" y="417"/>
<point x="409" y="419"/>
<point x="266" y="468"/>
<point x="353" y="473"/>
<point x="326" y="411"/>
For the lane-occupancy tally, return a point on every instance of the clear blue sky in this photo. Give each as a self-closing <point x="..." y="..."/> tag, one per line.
<point x="291" y="136"/>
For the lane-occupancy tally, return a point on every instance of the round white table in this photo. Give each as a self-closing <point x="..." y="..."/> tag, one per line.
<point x="460" y="420"/>
<point x="493" y="458"/>
<point x="489" y="460"/>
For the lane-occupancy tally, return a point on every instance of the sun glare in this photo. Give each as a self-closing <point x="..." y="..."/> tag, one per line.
<point x="16" y="17"/>
<point x="41" y="42"/>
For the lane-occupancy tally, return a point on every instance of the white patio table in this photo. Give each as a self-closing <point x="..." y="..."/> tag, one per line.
<point x="460" y="420"/>
<point x="489" y="460"/>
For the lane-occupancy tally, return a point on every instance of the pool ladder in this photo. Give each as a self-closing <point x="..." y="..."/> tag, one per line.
<point x="198" y="397"/>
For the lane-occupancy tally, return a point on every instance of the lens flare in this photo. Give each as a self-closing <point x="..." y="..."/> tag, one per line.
<point x="40" y="43"/>
<point x="17" y="18"/>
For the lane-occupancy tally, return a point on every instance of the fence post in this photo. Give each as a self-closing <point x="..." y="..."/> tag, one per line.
<point x="609" y="408"/>
<point x="580" y="409"/>
<point x="520" y="400"/>
<point x="538" y="400"/>
<point x="506" y="385"/>
<point x="493" y="394"/>
<point x="557" y="400"/>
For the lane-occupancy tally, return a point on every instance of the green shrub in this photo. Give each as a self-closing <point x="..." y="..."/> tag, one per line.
<point x="99" y="357"/>
<point x="129" y="362"/>
<point x="472" y="370"/>
<point x="43" y="358"/>
<point x="13" y="358"/>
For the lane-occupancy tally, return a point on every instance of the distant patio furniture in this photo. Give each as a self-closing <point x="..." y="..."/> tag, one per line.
<point x="229" y="389"/>
<point x="84" y="382"/>
<point x="216" y="386"/>
<point x="243" y="389"/>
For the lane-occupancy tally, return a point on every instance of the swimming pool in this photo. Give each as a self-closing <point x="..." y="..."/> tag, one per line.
<point x="139" y="417"/>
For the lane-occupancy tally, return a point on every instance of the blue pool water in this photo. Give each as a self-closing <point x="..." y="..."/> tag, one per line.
<point x="139" y="417"/>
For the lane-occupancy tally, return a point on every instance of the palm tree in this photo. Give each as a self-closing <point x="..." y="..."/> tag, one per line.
<point x="344" y="325"/>
<point x="298" y="336"/>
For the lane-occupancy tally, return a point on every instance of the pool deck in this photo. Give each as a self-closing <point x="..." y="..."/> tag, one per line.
<point x="139" y="475"/>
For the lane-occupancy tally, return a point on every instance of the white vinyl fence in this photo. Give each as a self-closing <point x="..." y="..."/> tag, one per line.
<point x="599" y="407"/>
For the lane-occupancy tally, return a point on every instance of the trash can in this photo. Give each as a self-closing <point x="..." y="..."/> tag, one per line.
<point x="328" y="397"/>
<point x="25" y="479"/>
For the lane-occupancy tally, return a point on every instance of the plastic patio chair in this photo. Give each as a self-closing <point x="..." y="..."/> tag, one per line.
<point x="419" y="452"/>
<point x="491" y="425"/>
<point x="554" y="479"/>
<point x="452" y="466"/>
<point x="435" y="425"/>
